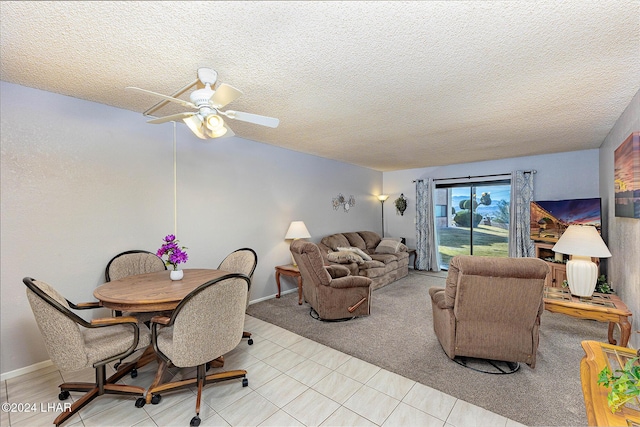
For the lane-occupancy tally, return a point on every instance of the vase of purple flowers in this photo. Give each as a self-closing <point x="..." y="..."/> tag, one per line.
<point x="173" y="254"/>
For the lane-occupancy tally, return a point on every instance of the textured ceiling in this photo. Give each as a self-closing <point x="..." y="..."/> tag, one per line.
<point x="385" y="85"/>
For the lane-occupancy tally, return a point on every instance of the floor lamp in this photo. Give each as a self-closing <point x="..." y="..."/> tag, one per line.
<point x="382" y="198"/>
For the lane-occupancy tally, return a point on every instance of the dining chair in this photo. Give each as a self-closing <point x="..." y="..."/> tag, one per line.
<point x="206" y="324"/>
<point x="130" y="263"/>
<point x="243" y="261"/>
<point x="74" y="344"/>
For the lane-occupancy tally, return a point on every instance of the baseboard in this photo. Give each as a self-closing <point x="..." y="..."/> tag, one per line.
<point x="273" y="296"/>
<point x="27" y="369"/>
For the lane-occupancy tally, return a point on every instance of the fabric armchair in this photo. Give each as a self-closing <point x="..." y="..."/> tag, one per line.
<point x="490" y="308"/>
<point x="330" y="290"/>
<point x="74" y="343"/>
<point x="205" y="325"/>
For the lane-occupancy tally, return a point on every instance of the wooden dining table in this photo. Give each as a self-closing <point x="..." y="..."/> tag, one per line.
<point x="151" y="292"/>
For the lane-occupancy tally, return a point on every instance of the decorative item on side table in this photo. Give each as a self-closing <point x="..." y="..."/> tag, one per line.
<point x="582" y="242"/>
<point x="401" y="204"/>
<point x="174" y="255"/>
<point x="297" y="230"/>
<point x="624" y="383"/>
<point x="383" y="198"/>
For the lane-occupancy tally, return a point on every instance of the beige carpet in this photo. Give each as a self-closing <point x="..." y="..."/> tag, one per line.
<point x="399" y="337"/>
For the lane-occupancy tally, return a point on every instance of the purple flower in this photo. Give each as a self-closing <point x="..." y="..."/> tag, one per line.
<point x="175" y="254"/>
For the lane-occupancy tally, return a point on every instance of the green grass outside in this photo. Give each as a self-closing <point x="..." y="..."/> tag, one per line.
<point x="487" y="241"/>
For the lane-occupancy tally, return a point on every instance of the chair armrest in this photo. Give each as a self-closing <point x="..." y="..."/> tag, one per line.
<point x="438" y="298"/>
<point x="85" y="305"/>
<point x="336" y="271"/>
<point x="109" y="321"/>
<point x="350" y="282"/>
<point x="162" y="320"/>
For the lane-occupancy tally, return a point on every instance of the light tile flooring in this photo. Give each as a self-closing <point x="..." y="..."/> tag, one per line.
<point x="293" y="381"/>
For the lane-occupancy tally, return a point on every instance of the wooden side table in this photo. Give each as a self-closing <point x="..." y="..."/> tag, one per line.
<point x="597" y="356"/>
<point x="292" y="271"/>
<point x="601" y="307"/>
<point x="415" y="257"/>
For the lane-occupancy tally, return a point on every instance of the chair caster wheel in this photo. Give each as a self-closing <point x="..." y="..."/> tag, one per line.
<point x="155" y="399"/>
<point x="115" y="367"/>
<point x="140" y="402"/>
<point x="64" y="395"/>
<point x="245" y="382"/>
<point x="195" y="421"/>
<point x="250" y="342"/>
<point x="134" y="373"/>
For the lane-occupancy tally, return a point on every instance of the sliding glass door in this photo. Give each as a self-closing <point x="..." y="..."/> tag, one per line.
<point x="472" y="219"/>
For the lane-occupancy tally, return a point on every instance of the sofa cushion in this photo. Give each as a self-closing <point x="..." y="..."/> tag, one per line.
<point x="384" y="258"/>
<point x="388" y="246"/>
<point x="355" y="240"/>
<point x="370" y="238"/>
<point x="335" y="240"/>
<point x="357" y="251"/>
<point x="344" y="257"/>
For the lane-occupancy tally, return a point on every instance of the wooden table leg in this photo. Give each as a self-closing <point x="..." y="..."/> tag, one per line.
<point x="278" y="282"/>
<point x="625" y="331"/>
<point x="299" y="290"/>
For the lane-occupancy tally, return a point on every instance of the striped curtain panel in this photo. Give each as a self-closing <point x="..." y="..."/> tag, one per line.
<point x="520" y="243"/>
<point x="427" y="255"/>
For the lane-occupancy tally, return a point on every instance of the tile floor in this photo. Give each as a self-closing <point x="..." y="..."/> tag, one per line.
<point x="293" y="381"/>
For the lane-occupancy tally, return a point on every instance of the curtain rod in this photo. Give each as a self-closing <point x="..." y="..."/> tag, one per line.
<point x="476" y="176"/>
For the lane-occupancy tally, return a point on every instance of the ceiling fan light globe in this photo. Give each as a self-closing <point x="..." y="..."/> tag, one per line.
<point x="214" y="122"/>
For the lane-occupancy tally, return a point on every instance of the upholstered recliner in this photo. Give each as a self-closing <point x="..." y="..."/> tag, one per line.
<point x="330" y="290"/>
<point x="490" y="308"/>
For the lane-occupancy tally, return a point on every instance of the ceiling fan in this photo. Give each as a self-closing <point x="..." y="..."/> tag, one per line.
<point x="206" y="122"/>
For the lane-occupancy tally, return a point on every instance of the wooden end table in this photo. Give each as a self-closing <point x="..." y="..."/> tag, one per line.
<point x="292" y="271"/>
<point x="600" y="307"/>
<point x="597" y="356"/>
<point x="415" y="257"/>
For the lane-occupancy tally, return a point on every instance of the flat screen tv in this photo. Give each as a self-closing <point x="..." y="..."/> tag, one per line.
<point x="549" y="218"/>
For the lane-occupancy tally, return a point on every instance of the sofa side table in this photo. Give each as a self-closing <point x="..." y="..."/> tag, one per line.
<point x="292" y="271"/>
<point x="415" y="257"/>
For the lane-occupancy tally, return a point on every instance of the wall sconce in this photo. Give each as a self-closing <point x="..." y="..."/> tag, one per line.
<point x="382" y="199"/>
<point x="582" y="242"/>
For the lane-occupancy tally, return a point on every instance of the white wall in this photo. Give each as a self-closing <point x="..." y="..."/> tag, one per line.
<point x="82" y="182"/>
<point x="622" y="234"/>
<point x="559" y="176"/>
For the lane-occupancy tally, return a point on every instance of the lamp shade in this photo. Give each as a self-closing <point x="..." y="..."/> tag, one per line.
<point x="383" y="197"/>
<point x="297" y="230"/>
<point x="582" y="240"/>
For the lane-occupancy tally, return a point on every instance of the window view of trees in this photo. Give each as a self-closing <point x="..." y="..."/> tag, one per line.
<point x="476" y="225"/>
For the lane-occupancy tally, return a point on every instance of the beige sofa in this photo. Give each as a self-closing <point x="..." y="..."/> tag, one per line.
<point x="366" y="254"/>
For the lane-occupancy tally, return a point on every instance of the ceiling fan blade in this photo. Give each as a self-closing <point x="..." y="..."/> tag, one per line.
<point x="223" y="95"/>
<point x="252" y="118"/>
<point x="168" y="98"/>
<point x="172" y="118"/>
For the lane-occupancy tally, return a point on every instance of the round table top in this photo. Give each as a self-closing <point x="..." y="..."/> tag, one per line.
<point x="152" y="291"/>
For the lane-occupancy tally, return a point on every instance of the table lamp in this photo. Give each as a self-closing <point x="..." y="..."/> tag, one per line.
<point x="582" y="242"/>
<point x="382" y="199"/>
<point x="297" y="230"/>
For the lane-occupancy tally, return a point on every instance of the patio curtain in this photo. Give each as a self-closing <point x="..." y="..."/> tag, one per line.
<point x="427" y="255"/>
<point x="520" y="243"/>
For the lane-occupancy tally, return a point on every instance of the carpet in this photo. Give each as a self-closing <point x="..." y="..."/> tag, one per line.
<point x="398" y="336"/>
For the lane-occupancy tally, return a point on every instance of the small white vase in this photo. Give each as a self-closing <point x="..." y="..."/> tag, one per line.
<point x="177" y="274"/>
